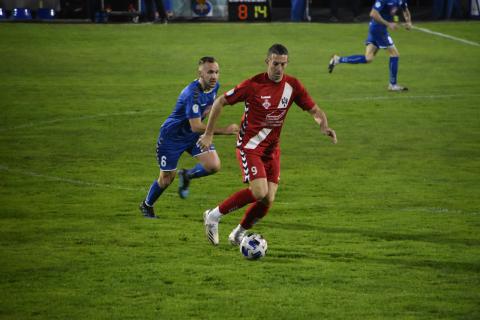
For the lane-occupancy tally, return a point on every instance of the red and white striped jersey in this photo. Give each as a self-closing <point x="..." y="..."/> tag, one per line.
<point x="266" y="106"/>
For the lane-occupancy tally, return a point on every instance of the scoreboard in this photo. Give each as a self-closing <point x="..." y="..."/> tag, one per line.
<point x="249" y="10"/>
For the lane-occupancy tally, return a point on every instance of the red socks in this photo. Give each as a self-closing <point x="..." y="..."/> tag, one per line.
<point x="255" y="212"/>
<point x="236" y="201"/>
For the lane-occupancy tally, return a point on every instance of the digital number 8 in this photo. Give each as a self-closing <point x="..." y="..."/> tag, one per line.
<point x="242" y="12"/>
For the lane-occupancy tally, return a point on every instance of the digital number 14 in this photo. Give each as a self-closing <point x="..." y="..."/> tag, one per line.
<point x="260" y="10"/>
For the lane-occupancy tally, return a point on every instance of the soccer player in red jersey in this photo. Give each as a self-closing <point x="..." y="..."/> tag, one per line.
<point x="267" y="97"/>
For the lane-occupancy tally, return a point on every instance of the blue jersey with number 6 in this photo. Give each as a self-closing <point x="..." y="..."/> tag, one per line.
<point x="192" y="103"/>
<point x="176" y="135"/>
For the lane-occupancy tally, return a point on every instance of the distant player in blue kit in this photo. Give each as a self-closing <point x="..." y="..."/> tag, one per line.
<point x="384" y="16"/>
<point x="180" y="133"/>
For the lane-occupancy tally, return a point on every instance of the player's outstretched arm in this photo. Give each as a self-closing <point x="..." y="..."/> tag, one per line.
<point x="321" y="118"/>
<point x="199" y="127"/>
<point x="230" y="129"/>
<point x="206" y="139"/>
<point x="408" y="19"/>
<point x="374" y="14"/>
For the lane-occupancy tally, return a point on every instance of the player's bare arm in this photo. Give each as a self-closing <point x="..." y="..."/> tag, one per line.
<point x="199" y="127"/>
<point x="321" y="118"/>
<point x="408" y="19"/>
<point x="206" y="138"/>
<point x="374" y="14"/>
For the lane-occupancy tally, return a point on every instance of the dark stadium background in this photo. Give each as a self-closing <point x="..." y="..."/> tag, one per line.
<point x="281" y="9"/>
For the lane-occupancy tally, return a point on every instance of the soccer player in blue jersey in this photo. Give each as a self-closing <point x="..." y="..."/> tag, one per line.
<point x="180" y="133"/>
<point x="384" y="16"/>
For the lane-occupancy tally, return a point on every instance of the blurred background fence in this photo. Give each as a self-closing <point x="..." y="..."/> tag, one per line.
<point x="103" y="11"/>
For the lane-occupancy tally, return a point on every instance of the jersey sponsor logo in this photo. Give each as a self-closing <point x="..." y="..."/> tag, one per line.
<point x="275" y="118"/>
<point x="378" y="4"/>
<point x="287" y="93"/>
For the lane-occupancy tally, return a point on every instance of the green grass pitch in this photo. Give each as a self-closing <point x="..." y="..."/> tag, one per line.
<point x="384" y="225"/>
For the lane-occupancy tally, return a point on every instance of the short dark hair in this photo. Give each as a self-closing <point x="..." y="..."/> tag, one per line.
<point x="277" y="49"/>
<point x="206" y="59"/>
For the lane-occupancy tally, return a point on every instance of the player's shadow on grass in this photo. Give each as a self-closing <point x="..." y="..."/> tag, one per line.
<point x="393" y="258"/>
<point x="376" y="235"/>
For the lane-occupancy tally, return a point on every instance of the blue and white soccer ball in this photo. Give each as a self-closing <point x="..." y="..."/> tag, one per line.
<point x="253" y="246"/>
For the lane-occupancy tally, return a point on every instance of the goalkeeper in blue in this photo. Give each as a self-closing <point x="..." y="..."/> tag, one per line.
<point x="384" y="16"/>
<point x="180" y="133"/>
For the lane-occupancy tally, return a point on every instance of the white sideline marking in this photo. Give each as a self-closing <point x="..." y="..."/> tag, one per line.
<point x="102" y="115"/>
<point x="127" y="113"/>
<point x="473" y="43"/>
<point x="60" y="120"/>
<point x="438" y="210"/>
<point x="393" y="96"/>
<point x="66" y="180"/>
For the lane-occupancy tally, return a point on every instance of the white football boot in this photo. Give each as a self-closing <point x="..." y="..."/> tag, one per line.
<point x="237" y="235"/>
<point x="333" y="62"/>
<point x="211" y="228"/>
<point x="396" y="87"/>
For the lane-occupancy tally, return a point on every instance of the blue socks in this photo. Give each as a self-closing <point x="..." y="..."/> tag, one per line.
<point x="393" y="65"/>
<point x="155" y="189"/>
<point x="197" y="172"/>
<point x="153" y="194"/>
<point x="353" y="59"/>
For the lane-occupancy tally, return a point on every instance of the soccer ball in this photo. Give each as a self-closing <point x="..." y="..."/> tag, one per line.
<point x="253" y="246"/>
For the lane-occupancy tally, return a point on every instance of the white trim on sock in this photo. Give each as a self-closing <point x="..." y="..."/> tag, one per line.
<point x="148" y="205"/>
<point x="239" y="229"/>
<point x="214" y="215"/>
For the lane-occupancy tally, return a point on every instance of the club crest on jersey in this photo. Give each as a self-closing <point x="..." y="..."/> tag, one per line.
<point x="266" y="103"/>
<point x="195" y="108"/>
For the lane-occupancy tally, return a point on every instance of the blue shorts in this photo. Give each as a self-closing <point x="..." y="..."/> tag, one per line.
<point x="168" y="152"/>
<point x="379" y="37"/>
